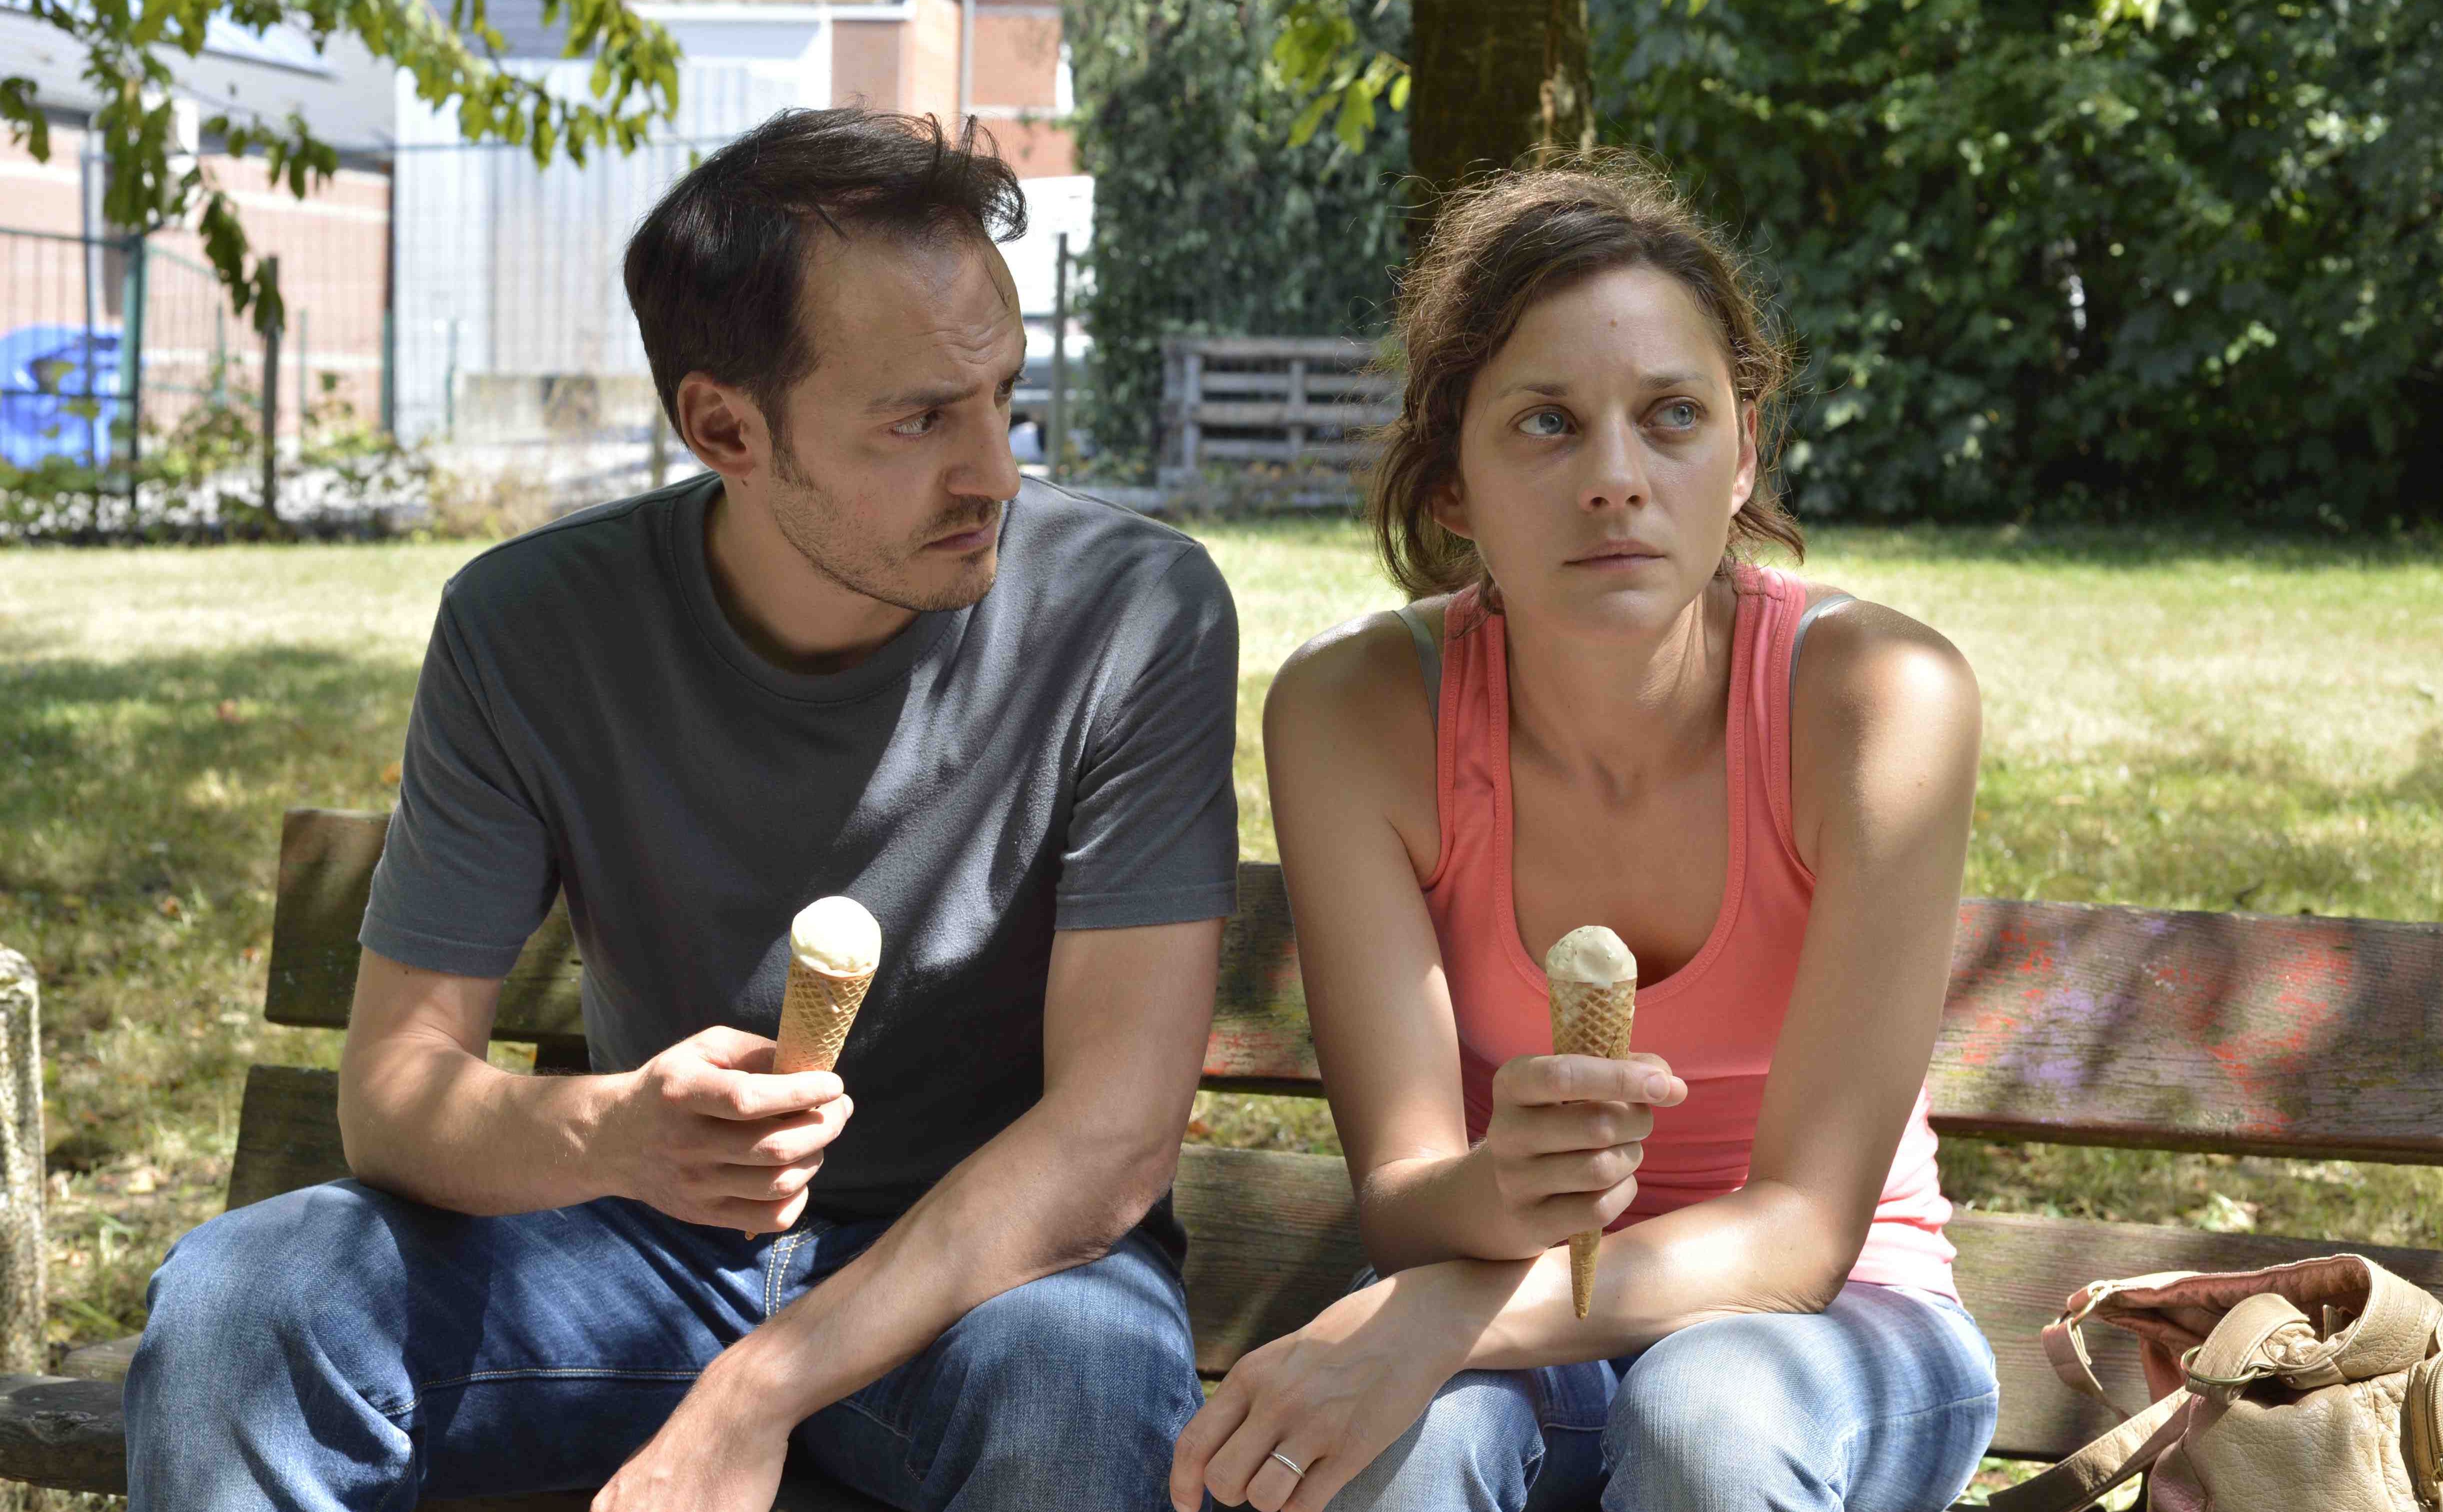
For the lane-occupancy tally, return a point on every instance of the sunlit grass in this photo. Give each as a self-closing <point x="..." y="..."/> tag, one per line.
<point x="2173" y="722"/>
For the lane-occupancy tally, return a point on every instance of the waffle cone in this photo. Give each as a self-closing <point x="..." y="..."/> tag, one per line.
<point x="815" y="1014"/>
<point x="1590" y="1018"/>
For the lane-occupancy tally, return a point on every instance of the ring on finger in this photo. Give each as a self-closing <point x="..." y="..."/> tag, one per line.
<point x="1290" y="1464"/>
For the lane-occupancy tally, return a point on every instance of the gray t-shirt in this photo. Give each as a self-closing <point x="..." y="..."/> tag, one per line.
<point x="1056" y="757"/>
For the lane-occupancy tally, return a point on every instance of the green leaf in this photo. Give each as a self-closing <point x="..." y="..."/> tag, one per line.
<point x="1310" y="117"/>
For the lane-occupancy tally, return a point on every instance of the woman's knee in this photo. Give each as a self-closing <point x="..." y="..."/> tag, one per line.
<point x="1476" y="1445"/>
<point x="1720" y="1421"/>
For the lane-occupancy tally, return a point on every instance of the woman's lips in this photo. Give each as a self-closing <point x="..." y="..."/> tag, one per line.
<point x="1616" y="561"/>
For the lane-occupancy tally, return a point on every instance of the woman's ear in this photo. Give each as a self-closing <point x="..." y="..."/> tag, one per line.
<point x="1449" y="510"/>
<point x="1743" y="481"/>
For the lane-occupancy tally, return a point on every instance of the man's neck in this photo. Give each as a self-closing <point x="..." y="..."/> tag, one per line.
<point x="793" y="614"/>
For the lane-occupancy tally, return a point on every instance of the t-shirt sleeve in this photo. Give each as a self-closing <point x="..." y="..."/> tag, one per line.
<point x="467" y="872"/>
<point x="1153" y="836"/>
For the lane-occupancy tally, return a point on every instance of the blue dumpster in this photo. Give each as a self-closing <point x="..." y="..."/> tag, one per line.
<point x="46" y="409"/>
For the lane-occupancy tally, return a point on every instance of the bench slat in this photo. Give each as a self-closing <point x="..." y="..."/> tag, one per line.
<point x="1272" y="1240"/>
<point x="2082" y="1024"/>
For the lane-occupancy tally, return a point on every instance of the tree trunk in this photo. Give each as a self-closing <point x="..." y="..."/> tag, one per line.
<point x="1496" y="83"/>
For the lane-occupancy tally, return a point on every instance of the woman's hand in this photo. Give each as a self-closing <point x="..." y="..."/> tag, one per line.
<point x="1562" y="1145"/>
<point x="1328" y="1399"/>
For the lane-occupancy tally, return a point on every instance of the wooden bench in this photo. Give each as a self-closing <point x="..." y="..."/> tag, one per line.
<point x="2303" y="1037"/>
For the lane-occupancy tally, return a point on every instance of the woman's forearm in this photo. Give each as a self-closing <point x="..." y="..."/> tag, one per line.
<point x="1765" y="1247"/>
<point x="1429" y="1209"/>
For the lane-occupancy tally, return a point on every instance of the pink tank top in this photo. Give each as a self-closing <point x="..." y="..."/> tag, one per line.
<point x="1714" y="1020"/>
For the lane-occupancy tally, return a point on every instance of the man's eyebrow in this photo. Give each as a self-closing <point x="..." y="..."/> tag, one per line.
<point x="938" y="398"/>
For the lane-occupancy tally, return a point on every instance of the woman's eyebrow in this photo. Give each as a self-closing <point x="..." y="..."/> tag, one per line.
<point x="1556" y="389"/>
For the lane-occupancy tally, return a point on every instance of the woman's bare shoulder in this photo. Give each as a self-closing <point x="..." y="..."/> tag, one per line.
<point x="1358" y="673"/>
<point x="1884" y="714"/>
<point x="1347" y="722"/>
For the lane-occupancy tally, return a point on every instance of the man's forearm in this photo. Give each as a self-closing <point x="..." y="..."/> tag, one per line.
<point x="429" y="1120"/>
<point x="1040" y="1197"/>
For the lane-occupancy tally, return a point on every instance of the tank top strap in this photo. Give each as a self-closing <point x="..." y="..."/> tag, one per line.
<point x="1783" y="617"/>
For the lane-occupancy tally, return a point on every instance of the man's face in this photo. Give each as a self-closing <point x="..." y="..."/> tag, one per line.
<point x="895" y="460"/>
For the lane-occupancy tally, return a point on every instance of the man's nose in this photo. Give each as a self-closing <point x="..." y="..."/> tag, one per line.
<point x="988" y="469"/>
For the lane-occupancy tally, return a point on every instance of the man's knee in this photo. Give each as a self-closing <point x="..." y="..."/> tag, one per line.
<point x="1116" y="1331"/>
<point x="254" y="1281"/>
<point x="1475" y="1447"/>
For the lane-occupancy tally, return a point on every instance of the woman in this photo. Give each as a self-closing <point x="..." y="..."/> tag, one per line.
<point x="1597" y="712"/>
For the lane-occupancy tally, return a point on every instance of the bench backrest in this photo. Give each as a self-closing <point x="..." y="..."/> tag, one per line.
<point x="2312" y="1037"/>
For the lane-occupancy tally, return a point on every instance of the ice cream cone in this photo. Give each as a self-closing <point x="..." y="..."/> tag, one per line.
<point x="1590" y="1018"/>
<point x="835" y="947"/>
<point x="815" y="1017"/>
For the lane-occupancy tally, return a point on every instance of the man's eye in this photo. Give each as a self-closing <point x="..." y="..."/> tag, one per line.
<point x="917" y="425"/>
<point x="1535" y="425"/>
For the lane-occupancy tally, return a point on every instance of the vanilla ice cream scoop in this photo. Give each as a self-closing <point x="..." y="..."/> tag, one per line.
<point x="1590" y="952"/>
<point x="836" y="936"/>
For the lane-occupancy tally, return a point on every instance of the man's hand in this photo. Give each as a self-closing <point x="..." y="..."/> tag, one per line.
<point x="720" y="1451"/>
<point x="1563" y="1142"/>
<point x="708" y="1133"/>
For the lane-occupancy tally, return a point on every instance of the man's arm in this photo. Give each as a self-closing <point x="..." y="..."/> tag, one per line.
<point x="697" y="1131"/>
<point x="1127" y="1013"/>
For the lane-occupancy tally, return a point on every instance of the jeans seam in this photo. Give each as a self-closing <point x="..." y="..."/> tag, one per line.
<point x="777" y="1266"/>
<point x="415" y="1399"/>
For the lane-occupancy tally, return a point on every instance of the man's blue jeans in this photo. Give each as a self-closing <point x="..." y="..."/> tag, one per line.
<point x="339" y="1347"/>
<point x="1881" y="1403"/>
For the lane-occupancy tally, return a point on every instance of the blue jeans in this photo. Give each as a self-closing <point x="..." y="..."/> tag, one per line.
<point x="1881" y="1403"/>
<point x="339" y="1347"/>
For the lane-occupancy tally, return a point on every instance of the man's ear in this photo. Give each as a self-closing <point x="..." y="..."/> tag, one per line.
<point x="721" y="427"/>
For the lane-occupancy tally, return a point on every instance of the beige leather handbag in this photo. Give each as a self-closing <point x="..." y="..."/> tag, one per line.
<point x="2312" y="1387"/>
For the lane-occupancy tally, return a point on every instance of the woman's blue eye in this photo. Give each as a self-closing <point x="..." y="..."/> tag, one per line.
<point x="1680" y="414"/>
<point x="1530" y="427"/>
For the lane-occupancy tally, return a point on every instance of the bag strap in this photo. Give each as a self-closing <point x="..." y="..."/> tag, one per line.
<point x="2232" y="1357"/>
<point x="2065" y="1342"/>
<point x="2076" y="1482"/>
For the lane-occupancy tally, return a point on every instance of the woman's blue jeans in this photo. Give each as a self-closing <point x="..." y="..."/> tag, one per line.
<point x="339" y="1347"/>
<point x="1882" y="1402"/>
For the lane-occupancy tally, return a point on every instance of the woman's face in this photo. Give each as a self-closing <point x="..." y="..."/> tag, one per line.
<point x="1602" y="455"/>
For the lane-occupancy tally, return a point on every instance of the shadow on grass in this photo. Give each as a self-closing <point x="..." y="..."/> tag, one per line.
<point x="141" y="799"/>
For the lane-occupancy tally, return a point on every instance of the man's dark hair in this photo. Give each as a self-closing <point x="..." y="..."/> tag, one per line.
<point x="717" y="272"/>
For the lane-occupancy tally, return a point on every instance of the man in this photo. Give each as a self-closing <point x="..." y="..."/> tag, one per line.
<point x="857" y="658"/>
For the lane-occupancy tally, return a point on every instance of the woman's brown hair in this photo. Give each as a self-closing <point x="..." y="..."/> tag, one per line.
<point x="1498" y="248"/>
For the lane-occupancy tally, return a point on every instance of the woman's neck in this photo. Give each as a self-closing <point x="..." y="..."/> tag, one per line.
<point x="1615" y="713"/>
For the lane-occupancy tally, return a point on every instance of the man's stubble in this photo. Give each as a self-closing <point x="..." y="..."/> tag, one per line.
<point x="812" y="520"/>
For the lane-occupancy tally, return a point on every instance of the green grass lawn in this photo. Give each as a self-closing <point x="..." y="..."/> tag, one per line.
<point x="2172" y="721"/>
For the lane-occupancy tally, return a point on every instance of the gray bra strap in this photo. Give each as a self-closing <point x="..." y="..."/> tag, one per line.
<point x="1430" y="659"/>
<point x="1798" y="637"/>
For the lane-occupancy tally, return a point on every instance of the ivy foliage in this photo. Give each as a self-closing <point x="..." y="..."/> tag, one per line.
<point x="1206" y="218"/>
<point x="2152" y="256"/>
<point x="151" y="184"/>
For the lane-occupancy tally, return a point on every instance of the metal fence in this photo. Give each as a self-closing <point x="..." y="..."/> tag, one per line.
<point x="119" y="351"/>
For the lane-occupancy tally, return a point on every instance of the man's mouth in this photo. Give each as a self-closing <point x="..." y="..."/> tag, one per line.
<point x="968" y="537"/>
